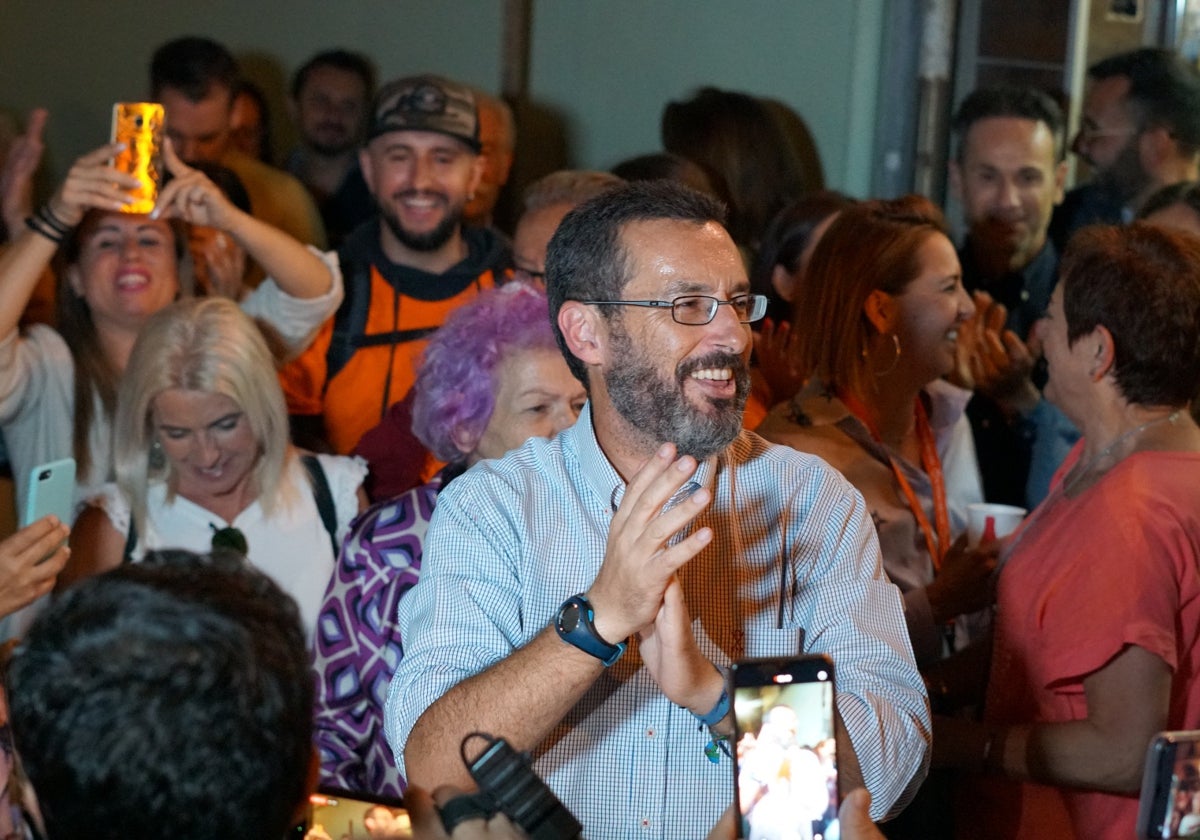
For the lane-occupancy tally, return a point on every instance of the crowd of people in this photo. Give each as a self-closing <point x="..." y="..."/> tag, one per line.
<point x="361" y="475"/>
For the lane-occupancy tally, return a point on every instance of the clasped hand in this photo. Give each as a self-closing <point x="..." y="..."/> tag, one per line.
<point x="637" y="590"/>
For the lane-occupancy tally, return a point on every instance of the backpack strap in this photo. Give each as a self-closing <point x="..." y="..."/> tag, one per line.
<point x="350" y="320"/>
<point x="323" y="497"/>
<point x="131" y="539"/>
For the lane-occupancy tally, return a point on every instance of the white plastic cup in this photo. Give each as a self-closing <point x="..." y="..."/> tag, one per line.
<point x="997" y="521"/>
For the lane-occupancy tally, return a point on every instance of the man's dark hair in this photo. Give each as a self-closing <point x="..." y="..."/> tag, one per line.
<point x="193" y="66"/>
<point x="1157" y="339"/>
<point x="586" y="260"/>
<point x="1164" y="90"/>
<point x="351" y="62"/>
<point x="1026" y="103"/>
<point x="169" y="698"/>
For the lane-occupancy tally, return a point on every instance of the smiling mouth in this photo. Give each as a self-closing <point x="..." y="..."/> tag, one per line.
<point x="132" y="280"/>
<point x="713" y="374"/>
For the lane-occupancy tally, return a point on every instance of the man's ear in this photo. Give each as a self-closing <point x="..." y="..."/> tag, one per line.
<point x="368" y="169"/>
<point x="783" y="282"/>
<point x="1060" y="182"/>
<point x="585" y="336"/>
<point x="1156" y="146"/>
<point x="880" y="309"/>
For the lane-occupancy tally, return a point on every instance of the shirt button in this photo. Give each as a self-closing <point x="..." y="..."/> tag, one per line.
<point x="645" y="824"/>
<point x="650" y="733"/>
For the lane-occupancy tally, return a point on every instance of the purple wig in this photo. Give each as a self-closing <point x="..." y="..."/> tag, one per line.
<point x="455" y="386"/>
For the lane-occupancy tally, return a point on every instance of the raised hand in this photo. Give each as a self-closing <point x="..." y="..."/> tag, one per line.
<point x="191" y="196"/>
<point x="16" y="179"/>
<point x="668" y="647"/>
<point x="775" y="350"/>
<point x="92" y="183"/>
<point x="638" y="564"/>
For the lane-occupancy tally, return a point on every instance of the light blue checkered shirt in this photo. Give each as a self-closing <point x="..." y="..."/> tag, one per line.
<point x="794" y="566"/>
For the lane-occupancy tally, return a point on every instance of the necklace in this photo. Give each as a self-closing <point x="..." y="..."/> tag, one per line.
<point x="1078" y="474"/>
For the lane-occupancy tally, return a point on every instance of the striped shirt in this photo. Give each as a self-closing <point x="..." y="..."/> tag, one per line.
<point x="793" y="567"/>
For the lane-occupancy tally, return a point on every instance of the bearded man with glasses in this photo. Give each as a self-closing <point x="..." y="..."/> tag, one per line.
<point x="1139" y="131"/>
<point x="583" y="596"/>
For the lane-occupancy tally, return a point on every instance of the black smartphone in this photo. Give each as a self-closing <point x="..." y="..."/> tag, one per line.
<point x="785" y="771"/>
<point x="353" y="815"/>
<point x="1170" y="802"/>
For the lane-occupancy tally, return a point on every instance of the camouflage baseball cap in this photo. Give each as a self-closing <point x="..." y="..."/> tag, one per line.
<point x="426" y="103"/>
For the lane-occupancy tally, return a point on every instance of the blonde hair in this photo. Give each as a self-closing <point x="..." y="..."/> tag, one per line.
<point x="201" y="344"/>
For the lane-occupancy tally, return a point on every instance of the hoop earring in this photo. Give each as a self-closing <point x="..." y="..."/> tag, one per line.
<point x="895" y="359"/>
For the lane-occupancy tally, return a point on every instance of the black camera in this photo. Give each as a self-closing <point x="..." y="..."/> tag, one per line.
<point x="508" y="785"/>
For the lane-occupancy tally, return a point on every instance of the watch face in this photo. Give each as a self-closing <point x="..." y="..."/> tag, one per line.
<point x="568" y="619"/>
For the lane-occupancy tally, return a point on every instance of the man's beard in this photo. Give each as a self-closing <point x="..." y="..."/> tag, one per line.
<point x="1126" y="177"/>
<point x="660" y="410"/>
<point x="429" y="241"/>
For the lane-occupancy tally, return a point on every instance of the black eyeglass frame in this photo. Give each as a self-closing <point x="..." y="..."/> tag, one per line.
<point x="755" y="304"/>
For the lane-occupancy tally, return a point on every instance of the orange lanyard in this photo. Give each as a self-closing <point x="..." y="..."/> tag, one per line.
<point x="937" y="543"/>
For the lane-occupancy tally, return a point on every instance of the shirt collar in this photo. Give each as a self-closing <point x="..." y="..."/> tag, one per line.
<point x="602" y="477"/>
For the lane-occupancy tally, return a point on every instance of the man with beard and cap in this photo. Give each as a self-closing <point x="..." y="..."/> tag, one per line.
<point x="582" y="596"/>
<point x="1139" y="132"/>
<point x="404" y="270"/>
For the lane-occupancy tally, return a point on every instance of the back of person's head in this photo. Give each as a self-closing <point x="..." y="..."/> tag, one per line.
<point x="587" y="260"/>
<point x="669" y="167"/>
<point x="454" y="394"/>
<point x="339" y="59"/>
<point x="783" y="244"/>
<point x="872" y="245"/>
<point x="166" y="699"/>
<point x="734" y="135"/>
<point x="566" y="186"/>
<point x="193" y="66"/>
<point x="199" y="344"/>
<point x="1142" y="283"/>
<point x="1027" y="103"/>
<point x="1164" y="90"/>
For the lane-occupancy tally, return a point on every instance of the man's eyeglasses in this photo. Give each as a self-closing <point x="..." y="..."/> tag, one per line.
<point x="698" y="310"/>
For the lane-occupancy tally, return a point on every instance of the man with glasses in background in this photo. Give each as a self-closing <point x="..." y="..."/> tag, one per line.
<point x="1139" y="131"/>
<point x="583" y="596"/>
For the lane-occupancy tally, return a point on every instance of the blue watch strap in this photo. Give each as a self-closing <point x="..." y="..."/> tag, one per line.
<point x="575" y="627"/>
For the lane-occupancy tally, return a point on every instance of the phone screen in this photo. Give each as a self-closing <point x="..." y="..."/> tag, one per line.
<point x="350" y="815"/>
<point x="139" y="126"/>
<point x="1170" y="800"/>
<point x="786" y="767"/>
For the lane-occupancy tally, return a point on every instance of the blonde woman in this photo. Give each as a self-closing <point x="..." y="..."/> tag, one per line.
<point x="202" y="457"/>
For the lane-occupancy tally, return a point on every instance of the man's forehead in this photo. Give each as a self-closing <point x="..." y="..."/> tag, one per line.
<point x="991" y="134"/>
<point x="677" y="253"/>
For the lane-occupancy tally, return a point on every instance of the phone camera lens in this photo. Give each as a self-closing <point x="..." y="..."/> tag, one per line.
<point x="138" y="121"/>
<point x="43" y="475"/>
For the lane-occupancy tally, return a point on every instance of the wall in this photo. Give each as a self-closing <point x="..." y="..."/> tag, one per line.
<point x="605" y="69"/>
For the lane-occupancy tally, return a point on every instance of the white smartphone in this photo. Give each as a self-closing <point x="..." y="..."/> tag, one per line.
<point x="51" y="490"/>
<point x="785" y="772"/>
<point x="1170" y="802"/>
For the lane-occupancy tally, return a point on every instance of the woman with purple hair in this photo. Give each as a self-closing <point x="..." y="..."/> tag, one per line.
<point x="491" y="378"/>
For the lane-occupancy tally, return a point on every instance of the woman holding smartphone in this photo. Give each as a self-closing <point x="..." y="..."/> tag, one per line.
<point x="116" y="269"/>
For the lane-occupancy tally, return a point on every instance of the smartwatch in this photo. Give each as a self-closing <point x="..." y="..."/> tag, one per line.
<point x="575" y="627"/>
